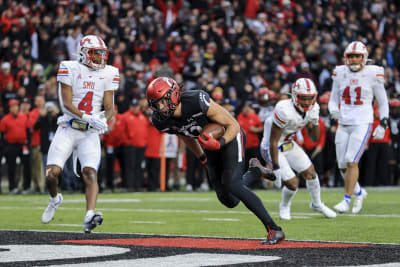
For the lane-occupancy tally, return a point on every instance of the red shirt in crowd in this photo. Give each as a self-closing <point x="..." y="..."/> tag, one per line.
<point x="33" y="117"/>
<point x="135" y="129"/>
<point x="308" y="143"/>
<point x="113" y="138"/>
<point x="251" y="120"/>
<point x="154" y="142"/>
<point x="14" y="128"/>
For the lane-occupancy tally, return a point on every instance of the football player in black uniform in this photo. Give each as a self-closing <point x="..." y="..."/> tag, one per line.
<point x="185" y="114"/>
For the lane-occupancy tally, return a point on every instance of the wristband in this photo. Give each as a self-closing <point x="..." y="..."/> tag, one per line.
<point x="221" y="142"/>
<point x="275" y="166"/>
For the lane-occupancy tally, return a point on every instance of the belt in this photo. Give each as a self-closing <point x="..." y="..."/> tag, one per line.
<point x="78" y="125"/>
<point x="285" y="146"/>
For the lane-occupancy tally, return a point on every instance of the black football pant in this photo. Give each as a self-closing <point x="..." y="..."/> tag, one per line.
<point x="11" y="152"/>
<point x="225" y="169"/>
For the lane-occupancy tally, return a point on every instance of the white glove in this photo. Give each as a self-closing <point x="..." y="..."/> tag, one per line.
<point x="97" y="121"/>
<point x="278" y="178"/>
<point x="335" y="114"/>
<point x="313" y="114"/>
<point x="379" y="133"/>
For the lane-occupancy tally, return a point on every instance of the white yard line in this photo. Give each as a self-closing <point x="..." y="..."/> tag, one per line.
<point x="199" y="211"/>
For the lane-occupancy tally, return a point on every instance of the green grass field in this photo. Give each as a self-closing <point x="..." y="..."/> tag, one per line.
<point x="200" y="214"/>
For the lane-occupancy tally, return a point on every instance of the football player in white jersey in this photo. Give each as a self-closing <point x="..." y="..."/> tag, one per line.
<point x="285" y="155"/>
<point x="354" y="86"/>
<point x="84" y="86"/>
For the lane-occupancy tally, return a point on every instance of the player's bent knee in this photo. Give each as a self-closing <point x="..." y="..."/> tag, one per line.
<point x="52" y="172"/>
<point x="352" y="165"/>
<point x="308" y="175"/>
<point x="89" y="175"/>
<point x="292" y="184"/>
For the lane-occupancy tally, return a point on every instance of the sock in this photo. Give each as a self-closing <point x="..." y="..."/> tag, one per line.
<point x="55" y="199"/>
<point x="89" y="215"/>
<point x="287" y="196"/>
<point x="314" y="188"/>
<point x="357" y="189"/>
<point x="347" y="199"/>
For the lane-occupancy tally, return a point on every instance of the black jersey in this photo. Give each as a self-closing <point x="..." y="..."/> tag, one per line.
<point x="194" y="104"/>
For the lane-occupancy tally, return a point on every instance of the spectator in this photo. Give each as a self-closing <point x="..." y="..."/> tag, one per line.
<point x="135" y="129"/>
<point x="14" y="126"/>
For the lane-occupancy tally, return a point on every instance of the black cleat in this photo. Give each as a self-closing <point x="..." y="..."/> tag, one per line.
<point x="274" y="237"/>
<point x="256" y="166"/>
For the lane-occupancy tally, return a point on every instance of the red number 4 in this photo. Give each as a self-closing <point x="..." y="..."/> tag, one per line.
<point x="86" y="103"/>
<point x="347" y="99"/>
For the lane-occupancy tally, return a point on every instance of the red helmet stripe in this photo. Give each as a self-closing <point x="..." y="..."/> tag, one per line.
<point x="308" y="85"/>
<point x="354" y="47"/>
<point x="100" y="42"/>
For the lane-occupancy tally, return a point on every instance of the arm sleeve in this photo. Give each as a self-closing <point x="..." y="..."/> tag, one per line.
<point x="279" y="118"/>
<point x="114" y="80"/>
<point x="380" y="94"/>
<point x="64" y="74"/>
<point x="204" y="102"/>
<point x="333" y="104"/>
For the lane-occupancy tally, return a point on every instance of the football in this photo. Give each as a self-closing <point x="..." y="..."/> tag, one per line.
<point x="213" y="129"/>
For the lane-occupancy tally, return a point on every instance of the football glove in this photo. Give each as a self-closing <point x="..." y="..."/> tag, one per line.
<point x="314" y="115"/>
<point x="209" y="142"/>
<point x="379" y="132"/>
<point x="335" y="114"/>
<point x="97" y="121"/>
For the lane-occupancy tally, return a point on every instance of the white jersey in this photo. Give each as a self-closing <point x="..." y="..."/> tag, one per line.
<point x="285" y="116"/>
<point x="353" y="93"/>
<point x="88" y="86"/>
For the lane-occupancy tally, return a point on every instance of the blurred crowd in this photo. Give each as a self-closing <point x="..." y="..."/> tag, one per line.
<point x="245" y="53"/>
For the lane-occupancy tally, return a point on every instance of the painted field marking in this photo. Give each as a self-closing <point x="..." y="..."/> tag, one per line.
<point x="221" y="219"/>
<point x="15" y="253"/>
<point x="147" y="222"/>
<point x="199" y="211"/>
<point x="185" y="260"/>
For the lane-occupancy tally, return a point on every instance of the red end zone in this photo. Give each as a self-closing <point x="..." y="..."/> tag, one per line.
<point x="187" y="242"/>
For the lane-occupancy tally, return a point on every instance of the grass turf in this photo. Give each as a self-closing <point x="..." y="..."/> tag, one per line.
<point x="201" y="214"/>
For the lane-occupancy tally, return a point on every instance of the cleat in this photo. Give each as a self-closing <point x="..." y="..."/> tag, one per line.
<point x="274" y="237"/>
<point x="327" y="212"/>
<point x="256" y="166"/>
<point x="50" y="211"/>
<point x="358" y="201"/>
<point x="342" y="207"/>
<point x="89" y="225"/>
<point x="284" y="212"/>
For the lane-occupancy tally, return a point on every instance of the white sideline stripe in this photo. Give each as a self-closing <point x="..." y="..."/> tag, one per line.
<point x="147" y="222"/>
<point x="163" y="199"/>
<point x="221" y="219"/>
<point x="183" y="260"/>
<point x="202" y="211"/>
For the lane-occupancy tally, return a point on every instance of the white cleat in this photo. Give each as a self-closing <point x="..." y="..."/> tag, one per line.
<point x="358" y="201"/>
<point x="284" y="212"/>
<point x="93" y="222"/>
<point x="50" y="211"/>
<point x="327" y="212"/>
<point x="342" y="207"/>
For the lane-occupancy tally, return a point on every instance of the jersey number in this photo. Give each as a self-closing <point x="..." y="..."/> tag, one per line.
<point x="86" y="103"/>
<point x="347" y="99"/>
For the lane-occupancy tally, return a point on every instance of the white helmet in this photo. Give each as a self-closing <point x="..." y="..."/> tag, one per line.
<point x="357" y="48"/>
<point x="92" y="52"/>
<point x="304" y="94"/>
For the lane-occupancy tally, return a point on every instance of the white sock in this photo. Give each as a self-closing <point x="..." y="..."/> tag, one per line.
<point x="55" y="198"/>
<point x="287" y="196"/>
<point x="89" y="215"/>
<point x="315" y="190"/>
<point x="357" y="189"/>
